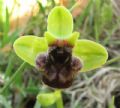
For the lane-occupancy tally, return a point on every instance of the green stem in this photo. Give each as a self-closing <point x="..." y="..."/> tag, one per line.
<point x="74" y="6"/>
<point x="113" y="60"/>
<point x="12" y="78"/>
<point x="59" y="101"/>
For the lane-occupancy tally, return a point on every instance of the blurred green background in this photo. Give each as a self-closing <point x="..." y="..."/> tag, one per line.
<point x="97" y="20"/>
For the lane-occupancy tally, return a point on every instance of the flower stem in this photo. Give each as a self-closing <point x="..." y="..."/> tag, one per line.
<point x="113" y="60"/>
<point x="74" y="6"/>
<point x="13" y="77"/>
<point x="78" y="3"/>
<point x="59" y="101"/>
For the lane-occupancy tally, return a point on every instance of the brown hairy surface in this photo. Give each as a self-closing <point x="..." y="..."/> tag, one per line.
<point x="59" y="67"/>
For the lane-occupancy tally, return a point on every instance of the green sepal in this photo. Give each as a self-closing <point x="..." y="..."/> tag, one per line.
<point x="46" y="99"/>
<point x="28" y="47"/>
<point x="60" y="22"/>
<point x="92" y="54"/>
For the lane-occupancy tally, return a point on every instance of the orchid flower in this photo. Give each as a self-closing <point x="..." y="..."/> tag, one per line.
<point x="60" y="54"/>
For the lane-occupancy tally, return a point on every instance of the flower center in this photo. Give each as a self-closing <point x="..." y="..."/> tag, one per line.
<point x="59" y="66"/>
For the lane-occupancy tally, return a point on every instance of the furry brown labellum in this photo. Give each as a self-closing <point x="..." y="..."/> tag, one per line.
<point x="58" y="66"/>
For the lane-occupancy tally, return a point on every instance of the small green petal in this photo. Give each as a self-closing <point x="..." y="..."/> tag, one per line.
<point x="60" y="22"/>
<point x="49" y="38"/>
<point x="92" y="54"/>
<point x="73" y="38"/>
<point x="28" y="47"/>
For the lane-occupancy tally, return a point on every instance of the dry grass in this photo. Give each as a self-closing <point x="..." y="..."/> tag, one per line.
<point x="97" y="90"/>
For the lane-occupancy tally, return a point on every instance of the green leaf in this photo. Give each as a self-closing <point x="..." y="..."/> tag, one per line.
<point x="37" y="105"/>
<point x="28" y="47"/>
<point x="46" y="99"/>
<point x="92" y="54"/>
<point x="60" y="22"/>
<point x="4" y="102"/>
<point x="111" y="103"/>
<point x="106" y="13"/>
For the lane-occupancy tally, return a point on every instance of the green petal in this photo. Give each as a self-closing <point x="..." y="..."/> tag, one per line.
<point x="60" y="22"/>
<point x="92" y="54"/>
<point x="28" y="47"/>
<point x="46" y="99"/>
<point x="71" y="40"/>
<point x="49" y="38"/>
